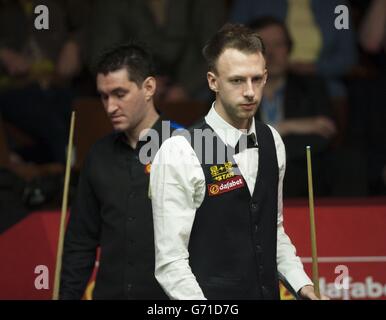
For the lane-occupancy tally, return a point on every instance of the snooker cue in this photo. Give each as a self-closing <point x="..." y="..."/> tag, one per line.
<point x="315" y="274"/>
<point x="58" y="268"/>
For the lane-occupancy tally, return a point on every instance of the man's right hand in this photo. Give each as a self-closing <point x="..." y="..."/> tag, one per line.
<point x="308" y="293"/>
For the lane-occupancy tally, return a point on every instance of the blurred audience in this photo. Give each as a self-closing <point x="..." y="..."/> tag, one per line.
<point x="296" y="105"/>
<point x="368" y="95"/>
<point x="41" y="70"/>
<point x="36" y="69"/>
<point x="175" y="30"/>
<point x="372" y="33"/>
<point x="318" y="47"/>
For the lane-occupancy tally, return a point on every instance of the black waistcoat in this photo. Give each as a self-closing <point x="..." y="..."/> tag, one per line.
<point x="232" y="248"/>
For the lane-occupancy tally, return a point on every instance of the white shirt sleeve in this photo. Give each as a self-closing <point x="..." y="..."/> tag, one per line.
<point x="177" y="186"/>
<point x="288" y="263"/>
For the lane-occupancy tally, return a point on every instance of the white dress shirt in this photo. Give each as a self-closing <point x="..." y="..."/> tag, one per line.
<point x="178" y="186"/>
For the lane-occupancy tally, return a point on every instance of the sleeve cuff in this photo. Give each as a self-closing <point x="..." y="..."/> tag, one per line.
<point x="298" y="279"/>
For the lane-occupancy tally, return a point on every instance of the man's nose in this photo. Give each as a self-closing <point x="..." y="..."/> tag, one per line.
<point x="110" y="106"/>
<point x="249" y="91"/>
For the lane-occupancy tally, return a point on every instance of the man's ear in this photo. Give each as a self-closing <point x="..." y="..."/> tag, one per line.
<point x="212" y="81"/>
<point x="149" y="86"/>
<point x="265" y="77"/>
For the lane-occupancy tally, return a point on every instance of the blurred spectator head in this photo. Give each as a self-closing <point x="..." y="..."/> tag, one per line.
<point x="133" y="56"/>
<point x="235" y="36"/>
<point x="277" y="42"/>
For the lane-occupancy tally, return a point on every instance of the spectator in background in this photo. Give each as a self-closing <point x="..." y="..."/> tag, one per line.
<point x="369" y="97"/>
<point x="372" y="33"/>
<point x="36" y="69"/>
<point x="176" y="30"/>
<point x="296" y="105"/>
<point x="318" y="47"/>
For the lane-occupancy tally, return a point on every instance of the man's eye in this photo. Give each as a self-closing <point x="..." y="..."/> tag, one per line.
<point x="236" y="81"/>
<point x="121" y="95"/>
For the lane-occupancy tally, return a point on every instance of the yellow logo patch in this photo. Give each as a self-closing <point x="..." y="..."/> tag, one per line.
<point x="222" y="172"/>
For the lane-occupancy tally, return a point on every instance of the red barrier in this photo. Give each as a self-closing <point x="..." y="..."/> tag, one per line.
<point x="350" y="234"/>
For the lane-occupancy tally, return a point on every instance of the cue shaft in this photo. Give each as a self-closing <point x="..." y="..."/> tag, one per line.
<point x="58" y="268"/>
<point x="315" y="273"/>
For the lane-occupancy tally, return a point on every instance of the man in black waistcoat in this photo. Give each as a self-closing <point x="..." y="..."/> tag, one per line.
<point x="112" y="209"/>
<point x="217" y="189"/>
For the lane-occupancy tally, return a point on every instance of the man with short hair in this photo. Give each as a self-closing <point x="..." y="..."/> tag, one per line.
<point x="112" y="209"/>
<point x="219" y="225"/>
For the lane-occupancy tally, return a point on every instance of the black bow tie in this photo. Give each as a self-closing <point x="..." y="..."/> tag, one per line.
<point x="246" y="142"/>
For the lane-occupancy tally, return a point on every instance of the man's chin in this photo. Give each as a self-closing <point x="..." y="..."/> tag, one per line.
<point x="247" y="113"/>
<point x="120" y="127"/>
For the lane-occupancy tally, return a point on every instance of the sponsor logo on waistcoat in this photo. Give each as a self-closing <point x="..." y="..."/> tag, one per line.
<point x="218" y="188"/>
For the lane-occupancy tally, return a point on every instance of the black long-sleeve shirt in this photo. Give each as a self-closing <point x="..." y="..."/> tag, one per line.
<point x="112" y="211"/>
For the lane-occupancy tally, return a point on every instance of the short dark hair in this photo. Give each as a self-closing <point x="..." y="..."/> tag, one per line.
<point x="267" y="21"/>
<point x="235" y="36"/>
<point x="134" y="56"/>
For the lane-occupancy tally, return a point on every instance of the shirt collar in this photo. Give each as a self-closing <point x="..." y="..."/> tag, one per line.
<point x="227" y="133"/>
